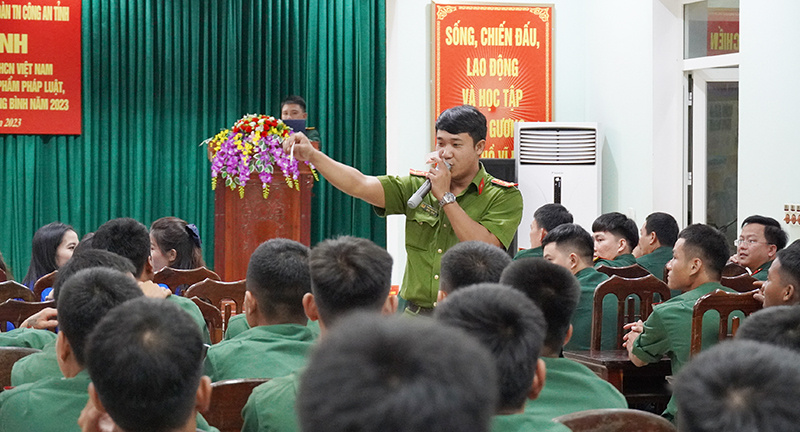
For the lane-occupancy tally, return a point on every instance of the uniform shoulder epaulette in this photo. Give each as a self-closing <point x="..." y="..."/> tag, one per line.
<point x="417" y="173"/>
<point x="311" y="128"/>
<point x="505" y="184"/>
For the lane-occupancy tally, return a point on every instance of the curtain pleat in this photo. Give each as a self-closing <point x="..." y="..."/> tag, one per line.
<point x="161" y="76"/>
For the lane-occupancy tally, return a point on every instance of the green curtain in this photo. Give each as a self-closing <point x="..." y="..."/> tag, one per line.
<point x="161" y="76"/>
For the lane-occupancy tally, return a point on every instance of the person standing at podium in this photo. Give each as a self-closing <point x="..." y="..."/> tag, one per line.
<point x="465" y="203"/>
<point x="294" y="108"/>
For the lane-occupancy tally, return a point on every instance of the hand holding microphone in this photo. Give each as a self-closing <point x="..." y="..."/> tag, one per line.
<point x="423" y="190"/>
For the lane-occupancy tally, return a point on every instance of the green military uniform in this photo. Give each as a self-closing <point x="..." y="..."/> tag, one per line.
<point x="37" y="366"/>
<point x="762" y="272"/>
<point x="623" y="260"/>
<point x="536" y="252"/>
<point x="27" y="338"/>
<point x="668" y="331"/>
<point x="525" y="423"/>
<point x="494" y="204"/>
<point x="238" y="324"/>
<point x="313" y="134"/>
<point x="262" y="352"/>
<point x="655" y="261"/>
<point x="581" y="339"/>
<point x="271" y="406"/>
<point x="189" y="307"/>
<point x="572" y="387"/>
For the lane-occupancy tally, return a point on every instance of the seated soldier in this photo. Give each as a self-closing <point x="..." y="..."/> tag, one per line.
<point x="779" y="325"/>
<point x="783" y="279"/>
<point x="468" y="263"/>
<point x="545" y="218"/>
<point x="145" y="359"/>
<point x="347" y="274"/>
<point x="740" y="386"/>
<point x="278" y="339"/>
<point x="367" y="375"/>
<point x="513" y="328"/>
<point x="130" y="239"/>
<point x="570" y="246"/>
<point x="698" y="258"/>
<point x="294" y="108"/>
<point x="571" y="386"/>
<point x="656" y="239"/>
<point x="51" y="403"/>
<point x="615" y="236"/>
<point x="760" y="240"/>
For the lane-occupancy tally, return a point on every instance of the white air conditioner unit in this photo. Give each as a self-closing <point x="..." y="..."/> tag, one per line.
<point x="558" y="162"/>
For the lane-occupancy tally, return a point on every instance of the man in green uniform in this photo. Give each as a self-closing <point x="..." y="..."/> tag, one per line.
<point x="571" y="247"/>
<point x="294" y="108"/>
<point x="278" y="339"/>
<point x="465" y="202"/>
<point x="656" y="239"/>
<point x="782" y="287"/>
<point x="347" y="274"/>
<point x="545" y="218"/>
<point x="699" y="256"/>
<point x="760" y="240"/>
<point x="615" y="236"/>
<point x="469" y="263"/>
<point x="570" y="386"/>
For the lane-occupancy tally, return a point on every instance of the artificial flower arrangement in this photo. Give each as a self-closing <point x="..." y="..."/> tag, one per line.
<point x="253" y="144"/>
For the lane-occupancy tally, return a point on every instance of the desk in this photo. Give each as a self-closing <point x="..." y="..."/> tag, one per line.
<point x="646" y="384"/>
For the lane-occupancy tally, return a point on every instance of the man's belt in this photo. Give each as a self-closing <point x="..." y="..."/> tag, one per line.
<point x="417" y="309"/>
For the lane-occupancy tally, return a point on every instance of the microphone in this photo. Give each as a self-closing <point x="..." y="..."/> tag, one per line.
<point x="423" y="190"/>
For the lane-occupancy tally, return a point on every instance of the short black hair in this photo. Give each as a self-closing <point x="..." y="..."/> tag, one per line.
<point x="294" y="99"/>
<point x="573" y="238"/>
<point x="790" y="265"/>
<point x="145" y="359"/>
<point x="463" y="118"/>
<point x="777" y="325"/>
<point x="127" y="237"/>
<point x="551" y="287"/>
<point x="278" y="277"/>
<point x="551" y="215"/>
<point x="740" y="386"/>
<point x="372" y="373"/>
<point x="619" y="225"/>
<point x="471" y="262"/>
<point x="348" y="274"/>
<point x="85" y="299"/>
<point x="665" y="226"/>
<point x="773" y="232"/>
<point x="87" y="259"/>
<point x="707" y="243"/>
<point x="506" y="322"/>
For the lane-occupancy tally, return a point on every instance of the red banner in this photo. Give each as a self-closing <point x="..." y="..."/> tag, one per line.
<point x="40" y="67"/>
<point x="499" y="59"/>
<point x="723" y="31"/>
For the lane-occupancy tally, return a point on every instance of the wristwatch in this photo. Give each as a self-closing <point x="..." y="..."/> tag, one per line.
<point x="447" y="198"/>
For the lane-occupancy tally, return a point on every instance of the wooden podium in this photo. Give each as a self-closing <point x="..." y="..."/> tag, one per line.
<point x="241" y="224"/>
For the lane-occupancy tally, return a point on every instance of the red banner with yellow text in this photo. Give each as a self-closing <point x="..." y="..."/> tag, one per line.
<point x="40" y="67"/>
<point x="498" y="59"/>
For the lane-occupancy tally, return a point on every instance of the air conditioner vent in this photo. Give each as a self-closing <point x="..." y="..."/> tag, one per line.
<point x="557" y="146"/>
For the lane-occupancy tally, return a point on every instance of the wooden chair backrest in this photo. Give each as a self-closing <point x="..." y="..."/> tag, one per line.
<point x="227" y="401"/>
<point x="13" y="289"/>
<point x="15" y="311"/>
<point x="631" y="272"/>
<point x="8" y="356"/>
<point x="644" y="287"/>
<point x="219" y="294"/>
<point x="43" y="283"/>
<point x="213" y="318"/>
<point x="732" y="269"/>
<point x="615" y="420"/>
<point x="174" y="278"/>
<point x="742" y="283"/>
<point x="725" y="303"/>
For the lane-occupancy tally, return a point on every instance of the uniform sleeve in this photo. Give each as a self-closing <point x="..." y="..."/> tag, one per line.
<point x="397" y="191"/>
<point x="250" y="415"/>
<point x="208" y="364"/>
<point x="653" y="343"/>
<point x="503" y="216"/>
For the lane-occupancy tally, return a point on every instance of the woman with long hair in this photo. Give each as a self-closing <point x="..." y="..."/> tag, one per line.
<point x="52" y="246"/>
<point x="176" y="244"/>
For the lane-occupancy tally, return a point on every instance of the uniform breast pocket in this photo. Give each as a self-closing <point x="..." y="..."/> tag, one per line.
<point x="420" y="230"/>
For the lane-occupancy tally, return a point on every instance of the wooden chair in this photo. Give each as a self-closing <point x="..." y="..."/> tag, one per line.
<point x="227" y="401"/>
<point x="615" y="420"/>
<point x="733" y="269"/>
<point x="742" y="283"/>
<point x="173" y="278"/>
<point x="43" y="283"/>
<point x="644" y="287"/>
<point x="213" y="318"/>
<point x="8" y="356"/>
<point x="220" y="294"/>
<point x="725" y="303"/>
<point x="12" y="289"/>
<point x="15" y="311"/>
<point x="631" y="272"/>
